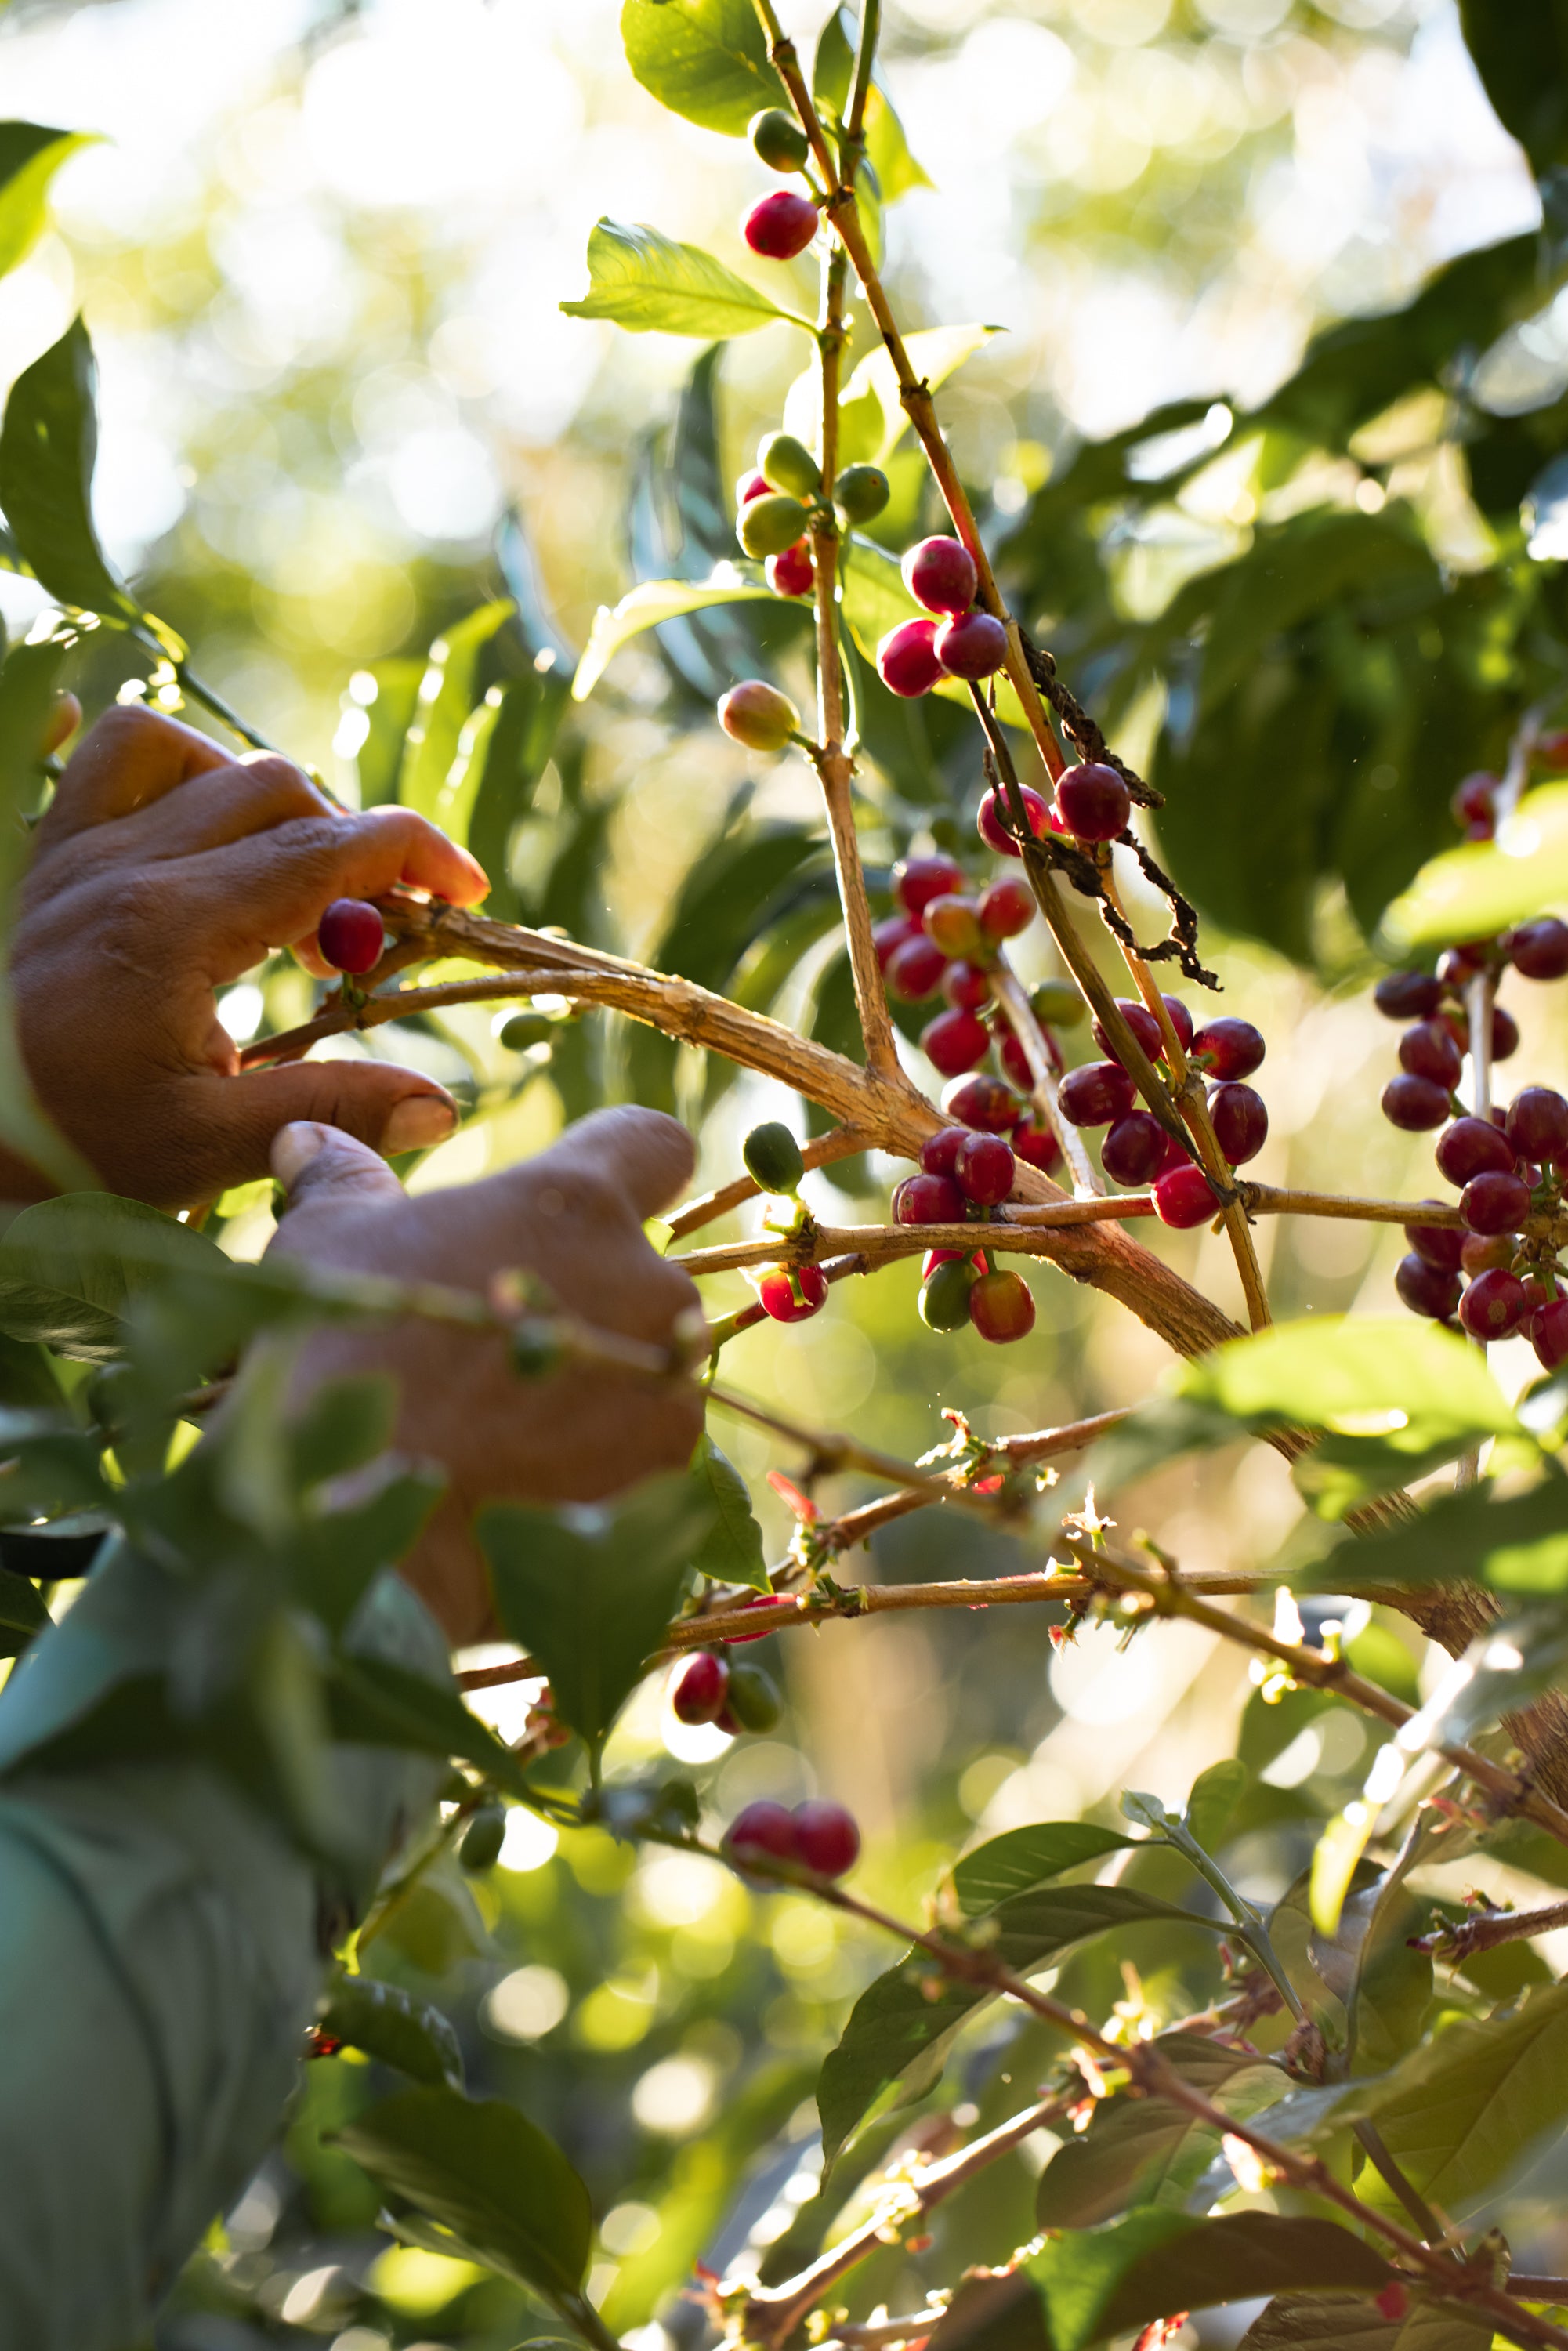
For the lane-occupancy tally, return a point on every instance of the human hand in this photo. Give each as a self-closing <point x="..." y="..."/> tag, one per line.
<point x="162" y="872"/>
<point x="574" y="1216"/>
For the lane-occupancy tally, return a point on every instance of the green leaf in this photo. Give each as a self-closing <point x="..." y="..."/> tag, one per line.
<point x="873" y="420"/>
<point x="514" y="756"/>
<point x="395" y="2025"/>
<point x="1153" y="2263"/>
<point x="481" y="2170"/>
<point x="1520" y="51"/>
<point x="707" y="59"/>
<point x="648" y="607"/>
<point x="394" y="689"/>
<point x="1344" y="2322"/>
<point x="30" y="155"/>
<point x="1020" y="1859"/>
<point x="71" y="1268"/>
<point x="1214" y="1798"/>
<point x="379" y="1704"/>
<point x="1516" y="1544"/>
<point x="22" y="1613"/>
<point x="833" y="73"/>
<point x="650" y="285"/>
<point x="1140" y="2151"/>
<point x="732" y="1552"/>
<point x="590" y="1593"/>
<point x="446" y="696"/>
<point x="875" y="600"/>
<point x="49" y="445"/>
<point x="1484" y="885"/>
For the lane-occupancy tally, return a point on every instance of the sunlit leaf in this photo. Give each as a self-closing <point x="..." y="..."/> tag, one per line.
<point x="1516" y="1544"/>
<point x="646" y="607"/>
<point x="707" y="59"/>
<point x="1140" y="2151"/>
<point x="1484" y="885"/>
<point x="873" y="419"/>
<point x="650" y="285"/>
<point x="1020" y="1859"/>
<point x="886" y="147"/>
<point x="446" y="697"/>
<point x="48" y="446"/>
<point x="30" y="155"/>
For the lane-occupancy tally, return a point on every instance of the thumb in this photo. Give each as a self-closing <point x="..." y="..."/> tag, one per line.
<point x="391" y="1109"/>
<point x="317" y="1162"/>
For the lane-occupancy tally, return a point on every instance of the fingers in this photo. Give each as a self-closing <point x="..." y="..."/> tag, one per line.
<point x="318" y="1163"/>
<point x="372" y="1103"/>
<point x="227" y="804"/>
<point x="648" y="1156"/>
<point x="132" y="756"/>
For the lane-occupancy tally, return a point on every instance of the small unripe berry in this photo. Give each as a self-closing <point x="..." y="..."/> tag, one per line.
<point x="984" y="1102"/>
<point x="992" y="827"/>
<point x="1426" y="1289"/>
<point x="826" y="1838"/>
<point x="920" y="879"/>
<point x="890" y="933"/>
<point x="954" y="924"/>
<point x="1549" y="1333"/>
<point x="1474" y="804"/>
<point x="966" y="985"/>
<point x="1241" y="1122"/>
<point x="1495" y="1202"/>
<point x="754" y="1698"/>
<point x="786" y="463"/>
<point x="524" y="1029"/>
<point x="1132" y="1152"/>
<point x="1436" y="1245"/>
<point x="483" y="1839"/>
<point x="955" y="1041"/>
<point x="1416" y="1105"/>
<point x="701" y="1688"/>
<point x="1184" y="1197"/>
<point x="1038" y="1146"/>
<point x="972" y="644"/>
<point x="985" y="1169"/>
<point x="945" y="1294"/>
<point x="349" y="935"/>
<point x="780" y="225"/>
<point x="768" y="525"/>
<point x="1538" y="1123"/>
<point x="1227" y="1048"/>
<point x="914" y="969"/>
<point x="1001" y="1308"/>
<point x="1095" y="1095"/>
<point x="1093" y="802"/>
<point x="1007" y="908"/>
<point x="1472" y="1145"/>
<point x="772" y="1157"/>
<point x="778" y="140"/>
<point x="860" y="493"/>
<point x="1407" y="995"/>
<point x="791" y="573"/>
<point x="764" y="1830"/>
<point x="1058" y="1004"/>
<point x="792" y="1293"/>
<point x="1429" y="1051"/>
<point x="907" y="659"/>
<point x="1540" y="949"/>
<point x="1494" y="1305"/>
<point x="928" y="1200"/>
<point x="940" y="574"/>
<point x="759" y="715"/>
<point x="1141" y="1023"/>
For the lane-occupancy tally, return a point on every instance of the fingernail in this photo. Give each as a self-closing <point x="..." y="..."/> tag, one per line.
<point x="416" y="1123"/>
<point x="293" y="1150"/>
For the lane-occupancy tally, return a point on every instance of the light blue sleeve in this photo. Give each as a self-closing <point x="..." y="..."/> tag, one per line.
<point x="161" y="1949"/>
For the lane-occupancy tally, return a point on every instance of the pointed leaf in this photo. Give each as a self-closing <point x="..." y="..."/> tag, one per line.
<point x="30" y="155"/>
<point x="70" y="1270"/>
<point x="1214" y="1798"/>
<point x="49" y="445"/>
<point x="1020" y="1859"/>
<point x="732" y="1552"/>
<point x="1345" y="2321"/>
<point x="647" y="607"/>
<point x="707" y="59"/>
<point x="1140" y="2151"/>
<point x="650" y="285"/>
<point x="446" y="696"/>
<point x="388" y="2023"/>
<point x="379" y="1704"/>
<point x="873" y="419"/>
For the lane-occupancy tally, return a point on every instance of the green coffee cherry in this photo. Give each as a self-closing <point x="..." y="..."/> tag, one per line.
<point x="537" y="1348"/>
<point x="523" y="1030"/>
<point x="483" y="1839"/>
<point x="773" y="1158"/>
<point x="860" y="493"/>
<point x="767" y="526"/>
<point x="753" y="1697"/>
<point x="779" y="140"/>
<point x="1056" y="1004"/>
<point x="945" y="1299"/>
<point x="758" y="714"/>
<point x="789" y="465"/>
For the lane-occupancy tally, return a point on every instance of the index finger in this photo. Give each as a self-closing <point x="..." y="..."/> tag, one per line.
<point x="128" y="757"/>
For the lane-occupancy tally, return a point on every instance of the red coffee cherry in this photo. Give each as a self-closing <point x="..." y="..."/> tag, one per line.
<point x="1093" y="802"/>
<point x="1538" y="1123"/>
<point x="907" y="659"/>
<point x="1474" y="805"/>
<point x="793" y="1294"/>
<point x="1549" y="1333"/>
<point x="758" y="714"/>
<point x="1494" y="1305"/>
<point x="1180" y="1020"/>
<point x="890" y="933"/>
<point x="1480" y="1252"/>
<point x="914" y="969"/>
<point x="1429" y="1051"/>
<point x="1095" y="1095"/>
<point x="349" y="935"/>
<point x="701" y="1688"/>
<point x="1241" y="1122"/>
<point x="966" y="985"/>
<point x="1176" y="1154"/>
<point x="1015" y="1062"/>
<point x="1540" y="949"/>
<point x="990" y="821"/>
<point x="955" y="1041"/>
<point x="928" y="1200"/>
<point x="1184" y="1196"/>
<point x="751" y="486"/>
<point x="1495" y="1202"/>
<point x="791" y="573"/>
<point x="764" y="1830"/>
<point x="1132" y="1152"/>
<point x="826" y="1838"/>
<point x="1038" y="1146"/>
<point x="1007" y="908"/>
<point x="1141" y="1023"/>
<point x="940" y="574"/>
<point x="1407" y="995"/>
<point x="954" y="922"/>
<point x="972" y="644"/>
<point x="1436" y="1245"/>
<point x="984" y="1102"/>
<point x="1227" y="1048"/>
<point x="1001" y="1308"/>
<point x="1426" y="1289"/>
<point x="1413" y="1103"/>
<point x="1472" y="1145"/>
<point x="780" y="225"/>
<point x="939" y="1152"/>
<point x="920" y="879"/>
<point x="985" y="1169"/>
<point x="1504" y="1035"/>
<point x="933" y="1257"/>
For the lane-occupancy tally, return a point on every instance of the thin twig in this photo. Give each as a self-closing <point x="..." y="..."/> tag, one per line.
<point x="1018" y="1013"/>
<point x="822" y="1151"/>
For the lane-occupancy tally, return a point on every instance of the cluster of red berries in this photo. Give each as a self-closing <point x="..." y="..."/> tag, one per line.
<point x="735" y="1697"/>
<point x="1137" y="1151"/>
<point x="816" y="1836"/>
<point x="958" y="640"/>
<point x="943" y="941"/>
<point x="780" y="500"/>
<point x="1510" y="1166"/>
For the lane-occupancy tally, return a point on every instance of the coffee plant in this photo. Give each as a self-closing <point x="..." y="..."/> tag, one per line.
<point x="1101" y="2086"/>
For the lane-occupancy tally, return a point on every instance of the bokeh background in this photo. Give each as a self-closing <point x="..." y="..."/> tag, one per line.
<point x="320" y="250"/>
